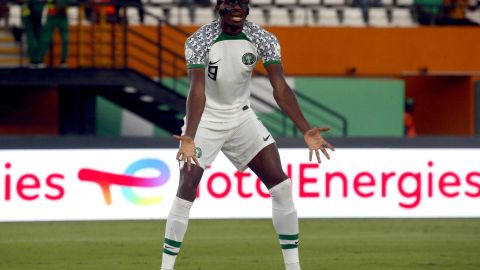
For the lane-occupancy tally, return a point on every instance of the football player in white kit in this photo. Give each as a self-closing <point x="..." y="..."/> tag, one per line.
<point x="221" y="56"/>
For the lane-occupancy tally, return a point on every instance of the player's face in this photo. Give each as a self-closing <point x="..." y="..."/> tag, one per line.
<point x="238" y="11"/>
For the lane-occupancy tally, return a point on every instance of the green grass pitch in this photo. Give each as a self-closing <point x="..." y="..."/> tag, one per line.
<point x="243" y="244"/>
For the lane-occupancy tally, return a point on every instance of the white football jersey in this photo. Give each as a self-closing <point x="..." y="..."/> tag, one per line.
<point x="229" y="62"/>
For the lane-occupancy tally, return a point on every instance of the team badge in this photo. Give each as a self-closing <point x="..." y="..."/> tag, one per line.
<point x="249" y="59"/>
<point x="198" y="152"/>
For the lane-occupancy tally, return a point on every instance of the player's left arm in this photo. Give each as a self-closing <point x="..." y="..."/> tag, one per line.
<point x="287" y="101"/>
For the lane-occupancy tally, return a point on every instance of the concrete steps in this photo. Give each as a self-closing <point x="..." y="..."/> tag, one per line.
<point x="9" y="49"/>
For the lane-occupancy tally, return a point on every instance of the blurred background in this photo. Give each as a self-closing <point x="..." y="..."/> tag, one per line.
<point x="366" y="68"/>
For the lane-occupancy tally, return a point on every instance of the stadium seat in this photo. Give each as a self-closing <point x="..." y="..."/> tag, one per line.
<point x="309" y="2"/>
<point x="132" y="15"/>
<point x="378" y="17"/>
<point x="180" y="16"/>
<point x="279" y="16"/>
<point x="163" y="2"/>
<point x="263" y="2"/>
<point x="386" y="3"/>
<point x="352" y="16"/>
<point x="285" y="2"/>
<point x="402" y="17"/>
<point x="15" y="18"/>
<point x="473" y="15"/>
<point x="72" y="14"/>
<point x="204" y="15"/>
<point x="405" y="3"/>
<point x="299" y="16"/>
<point x="327" y="17"/>
<point x="149" y="20"/>
<point x="257" y="15"/>
<point x="333" y="2"/>
<point x="311" y="16"/>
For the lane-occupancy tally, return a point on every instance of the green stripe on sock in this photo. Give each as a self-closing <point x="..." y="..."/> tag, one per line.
<point x="288" y="236"/>
<point x="289" y="246"/>
<point x="169" y="252"/>
<point x="173" y="243"/>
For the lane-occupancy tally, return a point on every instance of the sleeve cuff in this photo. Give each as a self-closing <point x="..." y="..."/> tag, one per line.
<point x="266" y="64"/>
<point x="196" y="66"/>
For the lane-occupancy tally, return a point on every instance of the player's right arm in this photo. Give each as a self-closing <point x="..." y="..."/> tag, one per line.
<point x="195" y="100"/>
<point x="195" y="105"/>
<point x="195" y="52"/>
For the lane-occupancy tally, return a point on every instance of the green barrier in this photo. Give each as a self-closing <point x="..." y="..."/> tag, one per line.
<point x="373" y="107"/>
<point x="108" y="118"/>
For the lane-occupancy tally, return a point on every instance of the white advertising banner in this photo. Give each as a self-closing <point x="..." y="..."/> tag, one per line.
<point x="98" y="184"/>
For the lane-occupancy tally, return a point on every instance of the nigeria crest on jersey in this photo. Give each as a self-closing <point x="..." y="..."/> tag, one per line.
<point x="198" y="152"/>
<point x="249" y="59"/>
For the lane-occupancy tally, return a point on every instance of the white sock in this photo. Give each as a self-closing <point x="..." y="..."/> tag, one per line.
<point x="285" y="222"/>
<point x="177" y="223"/>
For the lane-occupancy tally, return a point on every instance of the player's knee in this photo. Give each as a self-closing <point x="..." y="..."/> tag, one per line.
<point x="282" y="196"/>
<point x="187" y="189"/>
<point x="186" y="192"/>
<point x="189" y="180"/>
<point x="273" y="179"/>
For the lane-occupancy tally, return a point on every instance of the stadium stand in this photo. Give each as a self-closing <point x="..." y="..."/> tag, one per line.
<point x="333" y="2"/>
<point x="107" y="50"/>
<point x="402" y="17"/>
<point x="204" y="15"/>
<point x="317" y="13"/>
<point x="328" y="17"/>
<point x="352" y="16"/>
<point x="258" y="15"/>
<point x="149" y="20"/>
<point x="378" y="17"/>
<point x="8" y="50"/>
<point x="473" y="15"/>
<point x="132" y="15"/>
<point x="285" y="2"/>
<point x="260" y="2"/>
<point x="15" y="18"/>
<point x="281" y="16"/>
<point x="160" y="2"/>
<point x="308" y="2"/>
<point x="404" y="3"/>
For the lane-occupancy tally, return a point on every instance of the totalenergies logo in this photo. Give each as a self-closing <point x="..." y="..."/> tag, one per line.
<point x="128" y="180"/>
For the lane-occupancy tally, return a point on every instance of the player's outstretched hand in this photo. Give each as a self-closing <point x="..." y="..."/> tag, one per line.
<point x="186" y="152"/>
<point x="315" y="141"/>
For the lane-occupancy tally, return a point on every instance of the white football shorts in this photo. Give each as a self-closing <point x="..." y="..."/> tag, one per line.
<point x="240" y="140"/>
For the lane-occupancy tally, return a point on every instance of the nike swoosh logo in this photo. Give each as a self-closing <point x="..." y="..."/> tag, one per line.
<point x="266" y="138"/>
<point x="213" y="63"/>
<point x="168" y="247"/>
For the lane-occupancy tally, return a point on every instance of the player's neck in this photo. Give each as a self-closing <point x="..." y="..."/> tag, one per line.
<point x="232" y="30"/>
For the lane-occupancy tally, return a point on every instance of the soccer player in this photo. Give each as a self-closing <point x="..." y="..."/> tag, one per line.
<point x="221" y="56"/>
